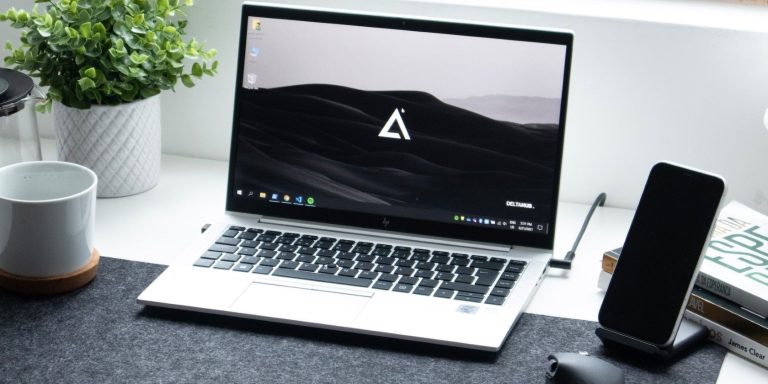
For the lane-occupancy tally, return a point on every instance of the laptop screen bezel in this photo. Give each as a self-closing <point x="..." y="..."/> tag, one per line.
<point x="393" y="223"/>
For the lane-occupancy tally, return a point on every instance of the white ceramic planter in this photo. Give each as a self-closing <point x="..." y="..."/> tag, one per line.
<point x="121" y="144"/>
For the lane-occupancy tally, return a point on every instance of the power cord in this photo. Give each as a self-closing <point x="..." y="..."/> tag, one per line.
<point x="566" y="262"/>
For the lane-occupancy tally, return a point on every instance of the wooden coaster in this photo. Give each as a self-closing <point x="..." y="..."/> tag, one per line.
<point x="51" y="285"/>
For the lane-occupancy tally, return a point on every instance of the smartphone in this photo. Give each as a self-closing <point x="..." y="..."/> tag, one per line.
<point x="662" y="253"/>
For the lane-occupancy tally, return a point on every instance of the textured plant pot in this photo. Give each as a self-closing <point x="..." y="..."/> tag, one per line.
<point x="120" y="143"/>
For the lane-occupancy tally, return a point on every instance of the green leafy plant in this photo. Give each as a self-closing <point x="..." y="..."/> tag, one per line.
<point x="106" y="52"/>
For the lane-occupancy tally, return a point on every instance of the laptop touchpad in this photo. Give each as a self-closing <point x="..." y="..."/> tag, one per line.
<point x="302" y="303"/>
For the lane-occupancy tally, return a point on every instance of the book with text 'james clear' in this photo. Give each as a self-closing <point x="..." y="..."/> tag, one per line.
<point x="735" y="263"/>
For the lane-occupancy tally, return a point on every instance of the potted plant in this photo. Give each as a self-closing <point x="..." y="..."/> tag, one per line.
<point x="105" y="62"/>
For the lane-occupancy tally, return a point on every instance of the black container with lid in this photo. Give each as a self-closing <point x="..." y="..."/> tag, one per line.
<point x="19" y="139"/>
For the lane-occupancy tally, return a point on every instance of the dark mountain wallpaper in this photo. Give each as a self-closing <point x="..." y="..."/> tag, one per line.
<point x="322" y="140"/>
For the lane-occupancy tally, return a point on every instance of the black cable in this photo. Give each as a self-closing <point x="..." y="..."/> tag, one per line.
<point x="566" y="262"/>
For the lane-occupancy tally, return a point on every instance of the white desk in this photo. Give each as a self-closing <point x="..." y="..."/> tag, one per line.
<point x="154" y="225"/>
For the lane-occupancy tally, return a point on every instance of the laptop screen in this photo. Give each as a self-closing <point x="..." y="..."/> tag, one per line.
<point x="433" y="127"/>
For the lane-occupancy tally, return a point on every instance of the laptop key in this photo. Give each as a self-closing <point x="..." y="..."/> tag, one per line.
<point x="464" y="279"/>
<point x="322" y="277"/>
<point x="348" y="272"/>
<point x="228" y="241"/>
<point x="324" y="260"/>
<point x="223" y="248"/>
<point x="468" y="298"/>
<point x="230" y="257"/>
<point x="329" y="269"/>
<point x="495" y="300"/>
<point x="247" y="235"/>
<point x="267" y="253"/>
<point x="268" y="246"/>
<point x="247" y="251"/>
<point x="368" y="275"/>
<point x="211" y="255"/>
<point x="428" y="283"/>
<point x="464" y="287"/>
<point x="286" y="255"/>
<point x="408" y="280"/>
<point x="381" y="284"/>
<point x="288" y="264"/>
<point x="223" y="265"/>
<point x="422" y="290"/>
<point x="488" y="265"/>
<point x="309" y="267"/>
<point x="250" y="260"/>
<point x="424" y="274"/>
<point x="263" y="270"/>
<point x="485" y="277"/>
<point x="445" y="276"/>
<point x="305" y="258"/>
<point x="203" y="262"/>
<point x="440" y="259"/>
<point x="242" y="267"/>
<point x="363" y="266"/>
<point x="444" y="293"/>
<point x="230" y="233"/>
<point x="249" y="244"/>
<point x="388" y="277"/>
<point x="503" y="292"/>
<point x="345" y="255"/>
<point x="506" y="284"/>
<point x="404" y="288"/>
<point x="269" y="262"/>
<point x="510" y="276"/>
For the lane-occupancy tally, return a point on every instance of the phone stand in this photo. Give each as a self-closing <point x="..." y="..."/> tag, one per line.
<point x="688" y="335"/>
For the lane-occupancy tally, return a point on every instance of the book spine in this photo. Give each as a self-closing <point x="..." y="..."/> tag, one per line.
<point x="731" y="340"/>
<point x="705" y="281"/>
<point x="729" y="315"/>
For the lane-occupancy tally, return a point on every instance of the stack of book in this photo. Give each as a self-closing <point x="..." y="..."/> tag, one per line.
<point x="730" y="297"/>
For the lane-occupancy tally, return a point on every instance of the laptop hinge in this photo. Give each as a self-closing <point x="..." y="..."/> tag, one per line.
<point x="389" y="235"/>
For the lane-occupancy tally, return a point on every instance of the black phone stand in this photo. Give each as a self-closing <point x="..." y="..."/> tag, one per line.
<point x="688" y="335"/>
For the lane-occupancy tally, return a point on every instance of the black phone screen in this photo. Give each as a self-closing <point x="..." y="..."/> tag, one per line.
<point x="661" y="254"/>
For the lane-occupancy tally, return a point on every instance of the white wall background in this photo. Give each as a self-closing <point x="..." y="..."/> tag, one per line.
<point x="682" y="81"/>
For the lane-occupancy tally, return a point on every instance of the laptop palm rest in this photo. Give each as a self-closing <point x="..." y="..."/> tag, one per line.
<point x="302" y="302"/>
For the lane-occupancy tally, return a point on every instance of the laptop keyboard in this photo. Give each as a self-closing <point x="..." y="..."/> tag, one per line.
<point x="389" y="267"/>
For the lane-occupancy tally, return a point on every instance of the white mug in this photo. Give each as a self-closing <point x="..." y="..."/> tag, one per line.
<point x="47" y="218"/>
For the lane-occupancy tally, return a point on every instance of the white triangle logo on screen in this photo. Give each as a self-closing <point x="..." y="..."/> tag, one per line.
<point x="396" y="117"/>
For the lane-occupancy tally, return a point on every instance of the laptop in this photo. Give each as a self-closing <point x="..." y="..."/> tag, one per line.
<point x="391" y="176"/>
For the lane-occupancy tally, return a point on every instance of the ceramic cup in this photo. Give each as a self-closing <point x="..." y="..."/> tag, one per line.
<point x="47" y="217"/>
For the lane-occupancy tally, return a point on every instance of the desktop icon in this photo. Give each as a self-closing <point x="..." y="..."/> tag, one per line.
<point x="239" y="192"/>
<point x="274" y="196"/>
<point x="254" y="51"/>
<point x="286" y="198"/>
<point x="255" y="24"/>
<point x="455" y="217"/>
<point x="251" y="79"/>
<point x="298" y="199"/>
<point x="310" y="200"/>
<point x="262" y="195"/>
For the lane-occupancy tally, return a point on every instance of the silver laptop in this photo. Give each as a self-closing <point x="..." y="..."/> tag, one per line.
<point x="388" y="176"/>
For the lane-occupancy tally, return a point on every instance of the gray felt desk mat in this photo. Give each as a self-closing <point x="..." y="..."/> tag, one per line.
<point x="99" y="334"/>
